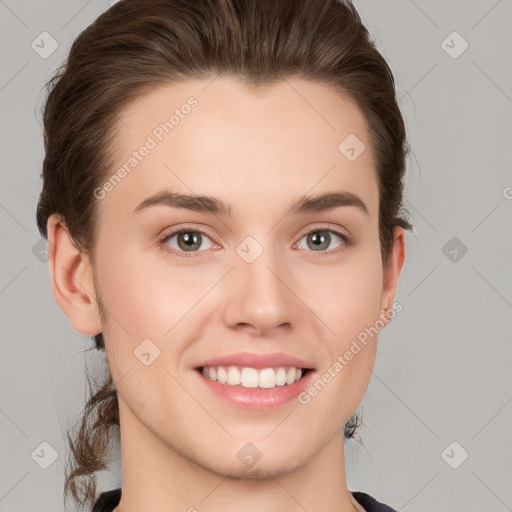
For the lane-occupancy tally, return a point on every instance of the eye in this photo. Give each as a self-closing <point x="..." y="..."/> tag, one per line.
<point x="188" y="240"/>
<point x="321" y="239"/>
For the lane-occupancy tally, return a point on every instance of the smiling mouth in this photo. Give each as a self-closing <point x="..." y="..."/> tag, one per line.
<point x="254" y="378"/>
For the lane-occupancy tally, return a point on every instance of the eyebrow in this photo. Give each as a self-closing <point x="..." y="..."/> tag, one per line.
<point x="213" y="205"/>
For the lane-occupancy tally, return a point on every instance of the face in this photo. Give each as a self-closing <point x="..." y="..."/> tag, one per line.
<point x="258" y="277"/>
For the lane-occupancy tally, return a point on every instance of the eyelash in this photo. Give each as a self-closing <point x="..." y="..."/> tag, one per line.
<point x="162" y="241"/>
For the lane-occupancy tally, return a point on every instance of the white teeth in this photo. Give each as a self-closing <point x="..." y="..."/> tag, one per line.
<point x="233" y="376"/>
<point x="265" y="378"/>
<point x="222" y="376"/>
<point x="281" y="377"/>
<point x="290" y="376"/>
<point x="249" y="378"/>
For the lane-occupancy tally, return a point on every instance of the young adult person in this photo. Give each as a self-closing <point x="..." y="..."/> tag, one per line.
<point x="222" y="197"/>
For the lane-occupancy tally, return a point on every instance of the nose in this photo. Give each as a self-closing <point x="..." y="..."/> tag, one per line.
<point x="260" y="297"/>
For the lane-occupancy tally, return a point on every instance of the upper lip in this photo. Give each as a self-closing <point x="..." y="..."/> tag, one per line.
<point x="253" y="360"/>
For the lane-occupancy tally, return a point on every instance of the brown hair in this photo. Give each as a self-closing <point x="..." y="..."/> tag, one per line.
<point x="137" y="45"/>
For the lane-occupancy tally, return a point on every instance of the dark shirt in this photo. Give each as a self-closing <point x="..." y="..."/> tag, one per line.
<point x="107" y="501"/>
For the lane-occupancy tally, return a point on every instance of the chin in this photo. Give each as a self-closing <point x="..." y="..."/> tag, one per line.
<point x="273" y="467"/>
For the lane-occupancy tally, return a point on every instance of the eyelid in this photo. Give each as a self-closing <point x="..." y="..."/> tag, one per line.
<point x="327" y="226"/>
<point x="185" y="227"/>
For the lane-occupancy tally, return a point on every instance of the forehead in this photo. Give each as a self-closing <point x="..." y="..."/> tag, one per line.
<point x="252" y="149"/>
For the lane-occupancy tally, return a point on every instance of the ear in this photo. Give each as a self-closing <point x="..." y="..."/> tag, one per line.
<point x="392" y="273"/>
<point x="72" y="279"/>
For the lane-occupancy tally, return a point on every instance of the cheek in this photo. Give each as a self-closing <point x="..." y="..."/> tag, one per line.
<point x="351" y="309"/>
<point x="145" y="297"/>
<point x="352" y="295"/>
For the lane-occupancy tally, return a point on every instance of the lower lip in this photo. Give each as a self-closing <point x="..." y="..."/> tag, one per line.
<point x="258" y="398"/>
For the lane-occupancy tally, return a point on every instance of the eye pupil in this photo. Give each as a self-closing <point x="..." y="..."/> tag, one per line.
<point x="319" y="240"/>
<point x="190" y="241"/>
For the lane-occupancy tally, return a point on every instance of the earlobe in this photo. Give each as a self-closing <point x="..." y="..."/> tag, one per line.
<point x="71" y="279"/>
<point x="395" y="265"/>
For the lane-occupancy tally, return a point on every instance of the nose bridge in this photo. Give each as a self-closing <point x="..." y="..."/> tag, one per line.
<point x="259" y="264"/>
<point x="260" y="296"/>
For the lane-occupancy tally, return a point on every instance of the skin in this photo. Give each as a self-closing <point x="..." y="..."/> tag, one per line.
<point x="259" y="152"/>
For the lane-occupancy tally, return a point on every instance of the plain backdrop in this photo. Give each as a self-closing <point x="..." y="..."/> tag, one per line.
<point x="438" y="410"/>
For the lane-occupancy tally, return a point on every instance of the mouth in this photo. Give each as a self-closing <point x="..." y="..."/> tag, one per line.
<point x="254" y="378"/>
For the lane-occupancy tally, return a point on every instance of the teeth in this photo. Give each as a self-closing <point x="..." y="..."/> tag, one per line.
<point x="222" y="376"/>
<point x="233" y="376"/>
<point x="281" y="377"/>
<point x="266" y="378"/>
<point x="249" y="377"/>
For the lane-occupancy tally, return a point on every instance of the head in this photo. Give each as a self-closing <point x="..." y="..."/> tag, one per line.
<point x="258" y="98"/>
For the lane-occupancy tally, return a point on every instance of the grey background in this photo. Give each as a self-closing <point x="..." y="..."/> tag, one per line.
<point x="443" y="365"/>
